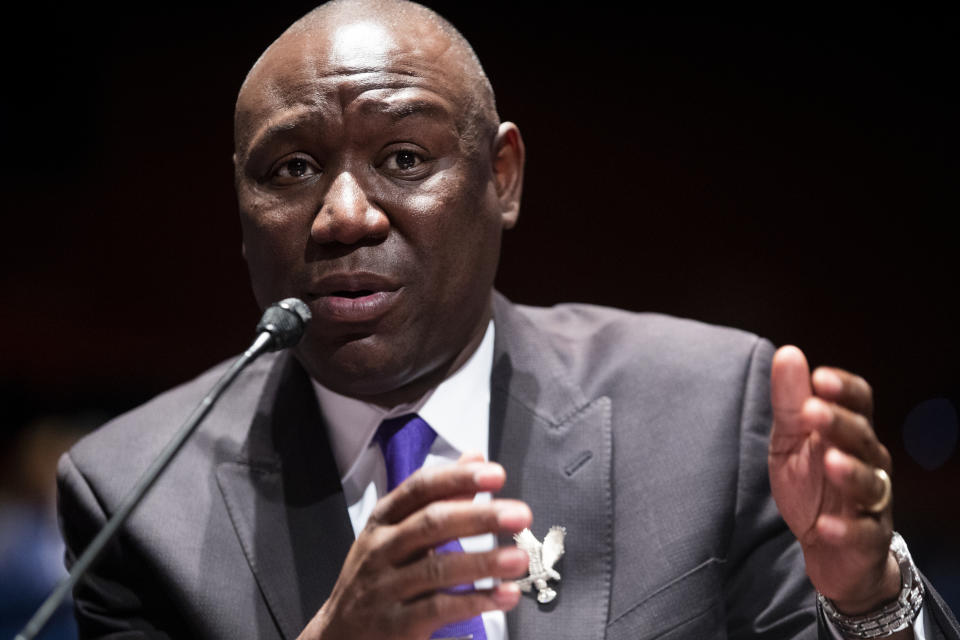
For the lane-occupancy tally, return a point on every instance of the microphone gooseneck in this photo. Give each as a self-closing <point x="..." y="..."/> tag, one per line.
<point x="280" y="327"/>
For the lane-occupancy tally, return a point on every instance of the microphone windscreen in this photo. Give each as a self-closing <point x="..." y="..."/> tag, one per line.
<point x="285" y="321"/>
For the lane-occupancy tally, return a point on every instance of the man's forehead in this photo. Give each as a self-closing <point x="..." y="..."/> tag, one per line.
<point x="353" y="57"/>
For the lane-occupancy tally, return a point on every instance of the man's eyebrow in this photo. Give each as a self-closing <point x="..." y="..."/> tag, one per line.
<point x="273" y="131"/>
<point x="277" y="129"/>
<point x="404" y="108"/>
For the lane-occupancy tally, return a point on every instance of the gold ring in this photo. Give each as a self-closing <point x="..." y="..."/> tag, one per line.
<point x="884" y="500"/>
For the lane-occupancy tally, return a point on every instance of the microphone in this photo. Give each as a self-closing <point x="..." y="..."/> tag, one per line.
<point x="282" y="324"/>
<point x="280" y="327"/>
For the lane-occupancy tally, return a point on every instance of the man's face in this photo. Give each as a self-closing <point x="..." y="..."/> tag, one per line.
<point x="361" y="193"/>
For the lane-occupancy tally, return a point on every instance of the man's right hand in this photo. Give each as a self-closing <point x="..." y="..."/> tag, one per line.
<point x="392" y="583"/>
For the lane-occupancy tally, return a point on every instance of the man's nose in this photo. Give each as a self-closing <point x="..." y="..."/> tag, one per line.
<point x="347" y="216"/>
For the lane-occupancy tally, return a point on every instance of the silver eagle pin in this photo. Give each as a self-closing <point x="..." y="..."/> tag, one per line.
<point x="543" y="555"/>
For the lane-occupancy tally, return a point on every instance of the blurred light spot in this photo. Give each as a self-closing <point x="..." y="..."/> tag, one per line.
<point x="930" y="432"/>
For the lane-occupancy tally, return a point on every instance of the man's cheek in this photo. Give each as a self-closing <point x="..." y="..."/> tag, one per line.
<point x="271" y="220"/>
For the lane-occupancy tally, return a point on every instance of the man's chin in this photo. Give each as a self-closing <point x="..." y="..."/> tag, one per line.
<point x="358" y="369"/>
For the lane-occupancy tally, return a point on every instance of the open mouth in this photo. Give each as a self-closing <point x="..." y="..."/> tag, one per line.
<point x="353" y="297"/>
<point x="360" y="293"/>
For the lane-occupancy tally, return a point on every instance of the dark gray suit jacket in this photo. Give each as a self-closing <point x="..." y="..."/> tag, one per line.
<point x="645" y="436"/>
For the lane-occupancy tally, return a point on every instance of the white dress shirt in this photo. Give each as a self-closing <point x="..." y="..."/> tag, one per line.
<point x="459" y="411"/>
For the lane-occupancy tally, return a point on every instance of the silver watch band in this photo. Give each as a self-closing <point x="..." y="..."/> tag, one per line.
<point x="896" y="616"/>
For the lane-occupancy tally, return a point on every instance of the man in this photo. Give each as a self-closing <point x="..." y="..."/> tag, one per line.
<point x="374" y="180"/>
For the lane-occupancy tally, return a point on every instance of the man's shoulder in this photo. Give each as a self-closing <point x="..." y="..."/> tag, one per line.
<point x="579" y="327"/>
<point x="603" y="349"/>
<point x="584" y="320"/>
<point x="126" y="445"/>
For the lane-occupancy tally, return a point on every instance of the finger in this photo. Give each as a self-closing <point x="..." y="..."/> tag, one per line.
<point x="439" y="609"/>
<point x="440" y="522"/>
<point x="471" y="456"/>
<point x="865" y="537"/>
<point x="844" y="388"/>
<point x="466" y="458"/>
<point x="442" y="570"/>
<point x="847" y="430"/>
<point x="789" y="387"/>
<point x="856" y="481"/>
<point x="437" y="483"/>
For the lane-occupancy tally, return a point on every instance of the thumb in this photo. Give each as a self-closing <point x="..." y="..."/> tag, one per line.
<point x="789" y="385"/>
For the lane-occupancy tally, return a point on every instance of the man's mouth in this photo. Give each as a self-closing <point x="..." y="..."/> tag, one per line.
<point x="353" y="297"/>
<point x="361" y="293"/>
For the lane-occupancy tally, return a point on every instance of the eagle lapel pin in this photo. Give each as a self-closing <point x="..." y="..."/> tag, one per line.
<point x="543" y="556"/>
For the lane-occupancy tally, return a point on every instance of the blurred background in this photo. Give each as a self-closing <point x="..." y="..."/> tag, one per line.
<point x="793" y="174"/>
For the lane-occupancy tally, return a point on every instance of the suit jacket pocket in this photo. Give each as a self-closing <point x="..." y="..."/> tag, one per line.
<point x="690" y="606"/>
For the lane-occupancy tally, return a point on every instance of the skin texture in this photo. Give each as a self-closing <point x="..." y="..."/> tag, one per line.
<point x="374" y="181"/>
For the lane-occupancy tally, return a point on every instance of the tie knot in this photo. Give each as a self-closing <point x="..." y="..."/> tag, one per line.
<point x="405" y="442"/>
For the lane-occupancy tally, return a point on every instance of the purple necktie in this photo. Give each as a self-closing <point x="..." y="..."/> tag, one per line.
<point x="405" y="442"/>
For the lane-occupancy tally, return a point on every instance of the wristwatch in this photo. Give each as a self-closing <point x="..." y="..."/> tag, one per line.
<point x="896" y="616"/>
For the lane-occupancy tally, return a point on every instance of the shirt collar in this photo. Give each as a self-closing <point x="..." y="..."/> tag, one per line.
<point x="458" y="409"/>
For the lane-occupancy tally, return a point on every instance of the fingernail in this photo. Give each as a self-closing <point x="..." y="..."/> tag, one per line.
<point x="831" y="529"/>
<point x="512" y="560"/>
<point x="471" y="456"/>
<point x="514" y="516"/>
<point x="819" y="410"/>
<point x="827" y="381"/>
<point x="835" y="457"/>
<point x="489" y="474"/>
<point x="506" y="594"/>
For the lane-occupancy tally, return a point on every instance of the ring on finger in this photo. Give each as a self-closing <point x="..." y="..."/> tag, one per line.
<point x="884" y="500"/>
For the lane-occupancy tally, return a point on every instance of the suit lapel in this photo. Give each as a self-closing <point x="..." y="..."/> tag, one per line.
<point x="556" y="447"/>
<point x="286" y="504"/>
<point x="285" y="501"/>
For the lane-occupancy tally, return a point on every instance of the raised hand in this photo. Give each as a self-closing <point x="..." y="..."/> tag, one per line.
<point x="823" y="460"/>
<point x="392" y="583"/>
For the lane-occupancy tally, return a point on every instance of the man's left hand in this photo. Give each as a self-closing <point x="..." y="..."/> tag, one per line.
<point x="822" y="459"/>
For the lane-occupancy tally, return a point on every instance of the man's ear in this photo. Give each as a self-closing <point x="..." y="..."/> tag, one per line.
<point x="508" y="158"/>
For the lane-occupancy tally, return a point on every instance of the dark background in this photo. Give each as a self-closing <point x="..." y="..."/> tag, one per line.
<point x="793" y="174"/>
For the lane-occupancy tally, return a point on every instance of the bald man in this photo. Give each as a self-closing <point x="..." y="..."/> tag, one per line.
<point x="374" y="181"/>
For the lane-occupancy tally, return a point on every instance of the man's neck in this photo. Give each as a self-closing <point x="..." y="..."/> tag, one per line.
<point x="457" y="409"/>
<point x="416" y="389"/>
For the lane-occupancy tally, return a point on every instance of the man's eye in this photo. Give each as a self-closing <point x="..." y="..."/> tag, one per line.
<point x="294" y="168"/>
<point x="403" y="160"/>
<point x="407" y="159"/>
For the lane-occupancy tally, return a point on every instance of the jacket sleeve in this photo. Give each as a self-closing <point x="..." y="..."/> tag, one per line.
<point x="944" y="624"/>
<point x="111" y="600"/>
<point x="768" y="595"/>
